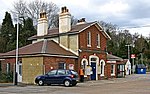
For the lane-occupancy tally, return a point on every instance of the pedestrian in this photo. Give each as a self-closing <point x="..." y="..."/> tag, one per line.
<point x="81" y="73"/>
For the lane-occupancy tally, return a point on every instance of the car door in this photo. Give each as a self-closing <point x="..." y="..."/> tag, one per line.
<point x="51" y="77"/>
<point x="61" y="74"/>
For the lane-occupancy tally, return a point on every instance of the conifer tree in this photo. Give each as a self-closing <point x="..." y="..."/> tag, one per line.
<point x="6" y="34"/>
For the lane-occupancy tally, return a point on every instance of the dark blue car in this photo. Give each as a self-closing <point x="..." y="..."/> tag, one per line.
<point x="60" y="76"/>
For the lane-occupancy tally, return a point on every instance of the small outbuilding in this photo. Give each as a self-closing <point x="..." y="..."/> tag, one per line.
<point x="127" y="66"/>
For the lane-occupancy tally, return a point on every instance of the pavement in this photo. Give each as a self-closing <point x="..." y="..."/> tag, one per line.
<point x="128" y="78"/>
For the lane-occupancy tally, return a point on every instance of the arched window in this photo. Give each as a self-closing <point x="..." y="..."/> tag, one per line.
<point x="84" y="64"/>
<point x="102" y="67"/>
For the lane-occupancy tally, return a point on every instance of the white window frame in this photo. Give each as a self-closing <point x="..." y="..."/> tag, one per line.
<point x="102" y="66"/>
<point x="98" y="40"/>
<point x="64" y="65"/>
<point x="8" y="67"/>
<point x="97" y="63"/>
<point x="84" y="66"/>
<point x="113" y="73"/>
<point x="89" y="39"/>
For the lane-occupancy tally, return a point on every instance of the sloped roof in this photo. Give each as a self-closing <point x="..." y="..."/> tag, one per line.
<point x="113" y="58"/>
<point x="74" y="29"/>
<point x="45" y="47"/>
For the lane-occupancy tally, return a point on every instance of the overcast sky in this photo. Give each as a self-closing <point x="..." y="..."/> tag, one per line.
<point x="123" y="13"/>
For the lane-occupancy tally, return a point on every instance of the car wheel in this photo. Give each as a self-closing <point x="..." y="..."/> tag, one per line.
<point x="67" y="83"/>
<point x="40" y="83"/>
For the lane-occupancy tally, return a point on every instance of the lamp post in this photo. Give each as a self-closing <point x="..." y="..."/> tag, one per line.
<point x="129" y="56"/>
<point x="128" y="50"/>
<point x="17" y="37"/>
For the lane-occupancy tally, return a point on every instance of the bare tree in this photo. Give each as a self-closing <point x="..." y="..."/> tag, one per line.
<point x="19" y="9"/>
<point x="33" y="9"/>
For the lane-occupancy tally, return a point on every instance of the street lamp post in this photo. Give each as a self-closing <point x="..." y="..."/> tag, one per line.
<point x="128" y="50"/>
<point x="129" y="56"/>
<point x="17" y="37"/>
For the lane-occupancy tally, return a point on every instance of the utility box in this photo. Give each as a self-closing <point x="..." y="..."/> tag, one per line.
<point x="140" y="69"/>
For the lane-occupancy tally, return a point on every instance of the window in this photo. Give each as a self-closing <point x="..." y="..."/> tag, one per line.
<point x="84" y="64"/>
<point x="93" y="59"/>
<point x="89" y="39"/>
<point x="20" y="69"/>
<point x="53" y="72"/>
<point x="61" y="72"/>
<point x="8" y="67"/>
<point x="112" y="69"/>
<point x="102" y="66"/>
<point x="98" y="40"/>
<point x="62" y="66"/>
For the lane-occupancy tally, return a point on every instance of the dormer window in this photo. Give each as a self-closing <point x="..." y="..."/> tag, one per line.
<point x="98" y="40"/>
<point x="89" y="39"/>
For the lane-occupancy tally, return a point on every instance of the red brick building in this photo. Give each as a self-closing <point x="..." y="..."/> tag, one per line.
<point x="67" y="47"/>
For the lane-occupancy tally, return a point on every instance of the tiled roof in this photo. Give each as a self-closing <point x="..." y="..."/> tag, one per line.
<point x="55" y="31"/>
<point x="45" y="47"/>
<point x="113" y="58"/>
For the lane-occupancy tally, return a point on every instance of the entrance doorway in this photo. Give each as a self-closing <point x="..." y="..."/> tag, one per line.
<point x="19" y="72"/>
<point x="93" y="75"/>
<point x="94" y="64"/>
<point x="120" y="70"/>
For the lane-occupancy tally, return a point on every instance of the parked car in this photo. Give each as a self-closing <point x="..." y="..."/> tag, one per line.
<point x="60" y="76"/>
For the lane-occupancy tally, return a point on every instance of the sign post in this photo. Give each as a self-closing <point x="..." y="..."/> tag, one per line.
<point x="133" y="67"/>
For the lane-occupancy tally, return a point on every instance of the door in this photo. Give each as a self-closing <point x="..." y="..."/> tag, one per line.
<point x="51" y="77"/>
<point x="19" y="72"/>
<point x="120" y="70"/>
<point x="93" y="75"/>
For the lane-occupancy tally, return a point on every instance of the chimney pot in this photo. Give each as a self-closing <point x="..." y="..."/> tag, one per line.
<point x="81" y="21"/>
<point x="64" y="9"/>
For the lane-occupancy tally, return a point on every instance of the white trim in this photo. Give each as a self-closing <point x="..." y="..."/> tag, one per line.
<point x="98" y="26"/>
<point x="103" y="67"/>
<point x="106" y="35"/>
<point x="17" y="69"/>
<point x="89" y="39"/>
<point x="111" y="61"/>
<point x="84" y="59"/>
<point x="86" y="63"/>
<point x="8" y="67"/>
<point x="42" y="55"/>
<point x="98" y="40"/>
<point x="113" y="74"/>
<point x="97" y="63"/>
<point x="87" y="27"/>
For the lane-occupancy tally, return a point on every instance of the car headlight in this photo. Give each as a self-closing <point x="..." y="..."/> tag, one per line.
<point x="38" y="77"/>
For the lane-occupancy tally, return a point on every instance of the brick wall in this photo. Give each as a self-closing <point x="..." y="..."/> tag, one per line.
<point x="53" y="62"/>
<point x="31" y="67"/>
<point x="93" y="50"/>
<point x="94" y="31"/>
<point x="12" y="61"/>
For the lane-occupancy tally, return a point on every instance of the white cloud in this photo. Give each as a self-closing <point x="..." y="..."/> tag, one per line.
<point x="145" y="31"/>
<point x="114" y="8"/>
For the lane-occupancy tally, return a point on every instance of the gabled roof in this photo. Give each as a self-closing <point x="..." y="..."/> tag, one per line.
<point x="45" y="48"/>
<point x="74" y="29"/>
<point x="113" y="58"/>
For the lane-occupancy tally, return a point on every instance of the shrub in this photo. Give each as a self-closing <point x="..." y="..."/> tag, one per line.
<point x="6" y="77"/>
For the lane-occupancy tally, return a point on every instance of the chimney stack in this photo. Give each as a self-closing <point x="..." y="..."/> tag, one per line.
<point x="64" y="20"/>
<point x="42" y="28"/>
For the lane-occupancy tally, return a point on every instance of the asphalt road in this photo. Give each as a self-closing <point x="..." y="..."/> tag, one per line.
<point x="133" y="84"/>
